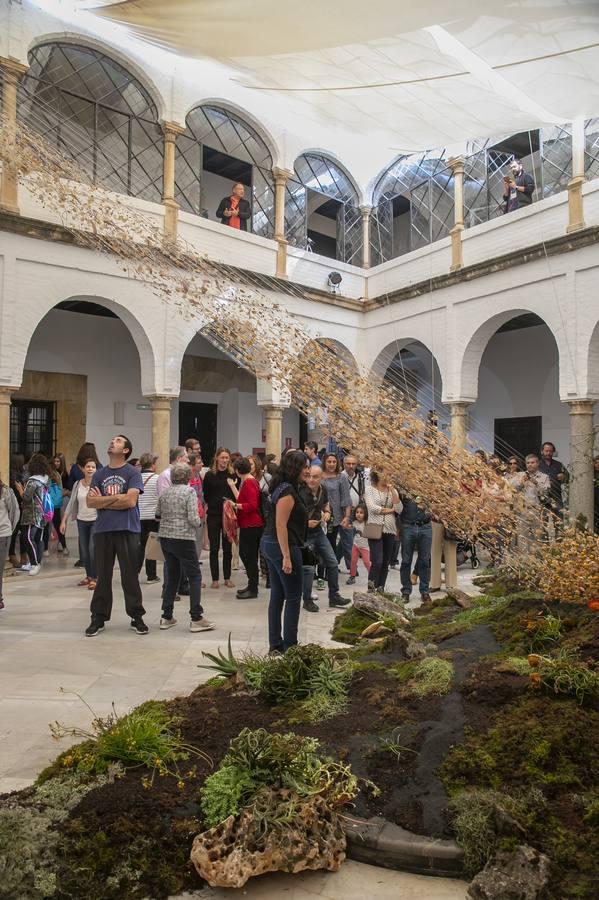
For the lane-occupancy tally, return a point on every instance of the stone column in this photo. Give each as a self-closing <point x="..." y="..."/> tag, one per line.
<point x="366" y="211"/>
<point x="459" y="430"/>
<point x="456" y="164"/>
<point x="273" y="418"/>
<point x="581" y="460"/>
<point x="575" y="206"/>
<point x="281" y="177"/>
<point x="11" y="71"/>
<point x="161" y="429"/>
<point x="171" y="207"/>
<point x="5" y="393"/>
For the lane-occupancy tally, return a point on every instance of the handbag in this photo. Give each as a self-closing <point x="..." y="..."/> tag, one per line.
<point x="309" y="557"/>
<point x="372" y="531"/>
<point x="153" y="548"/>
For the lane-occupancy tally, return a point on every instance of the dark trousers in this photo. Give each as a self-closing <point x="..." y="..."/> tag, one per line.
<point x="54" y="524"/>
<point x="249" y="545"/>
<point x="32" y="544"/>
<point x="181" y="556"/>
<point x="87" y="548"/>
<point x="331" y="535"/>
<point x="345" y="546"/>
<point x="215" y="535"/>
<point x="381" y="552"/>
<point x="124" y="545"/>
<point x="147" y="527"/>
<point x="419" y="538"/>
<point x="285" y="594"/>
<point x="13" y="542"/>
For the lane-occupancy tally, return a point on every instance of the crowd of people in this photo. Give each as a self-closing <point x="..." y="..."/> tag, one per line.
<point x="293" y="522"/>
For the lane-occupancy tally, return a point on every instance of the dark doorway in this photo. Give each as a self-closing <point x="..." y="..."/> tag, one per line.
<point x="323" y="226"/>
<point x="303" y="430"/>
<point x="518" y="436"/>
<point x="32" y="427"/>
<point x="199" y="420"/>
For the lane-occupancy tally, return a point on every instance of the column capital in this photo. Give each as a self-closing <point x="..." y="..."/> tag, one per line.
<point x="366" y="210"/>
<point x="581" y="407"/>
<point x="160" y="398"/>
<point x="274" y="412"/>
<point x="281" y="176"/>
<point x="459" y="407"/>
<point x="12" y="68"/>
<point x="456" y="164"/>
<point x="171" y="130"/>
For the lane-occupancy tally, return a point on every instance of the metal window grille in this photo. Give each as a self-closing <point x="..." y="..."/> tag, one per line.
<point x="96" y="112"/>
<point x="591" y="148"/>
<point x="221" y="130"/>
<point x="317" y="173"/>
<point x="556" y="158"/>
<point x="33" y="427"/>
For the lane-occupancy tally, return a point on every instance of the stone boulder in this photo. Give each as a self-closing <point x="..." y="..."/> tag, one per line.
<point x="520" y="874"/>
<point x="240" y="847"/>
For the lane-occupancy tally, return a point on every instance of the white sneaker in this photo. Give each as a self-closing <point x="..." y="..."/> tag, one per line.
<point x="46" y="553"/>
<point x="34" y="570"/>
<point x="201" y="625"/>
<point x="66" y="551"/>
<point x="24" y="570"/>
<point x="167" y="623"/>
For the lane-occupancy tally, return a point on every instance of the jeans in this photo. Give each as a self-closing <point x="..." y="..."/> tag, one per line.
<point x="123" y="545"/>
<point x="55" y="524"/>
<point x="215" y="531"/>
<point x="321" y="545"/>
<point x="285" y="594"/>
<point x="32" y="544"/>
<point x="381" y="551"/>
<point x="307" y="582"/>
<point x="181" y="555"/>
<point x="147" y="527"/>
<point x="420" y="538"/>
<point x="344" y="546"/>
<point x="331" y="536"/>
<point x="249" y="544"/>
<point x="87" y="548"/>
<point x="4" y="548"/>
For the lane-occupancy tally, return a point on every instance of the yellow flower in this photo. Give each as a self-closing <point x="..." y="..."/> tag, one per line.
<point x="180" y="785"/>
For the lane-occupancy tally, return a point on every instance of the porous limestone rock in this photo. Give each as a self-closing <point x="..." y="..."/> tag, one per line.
<point x="236" y="850"/>
<point x="520" y="874"/>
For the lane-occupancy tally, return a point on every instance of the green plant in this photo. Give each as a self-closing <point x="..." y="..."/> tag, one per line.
<point x="259" y="759"/>
<point x="483" y="609"/>
<point x="224" y="666"/>
<point x="148" y="736"/>
<point x="519" y="664"/>
<point x="432" y="676"/>
<point x="564" y="674"/>
<point x="544" y="631"/>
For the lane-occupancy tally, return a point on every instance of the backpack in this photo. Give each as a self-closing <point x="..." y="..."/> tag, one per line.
<point x="47" y="505"/>
<point x="55" y="491"/>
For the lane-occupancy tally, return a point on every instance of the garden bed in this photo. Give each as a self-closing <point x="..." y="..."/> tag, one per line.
<point x="447" y="740"/>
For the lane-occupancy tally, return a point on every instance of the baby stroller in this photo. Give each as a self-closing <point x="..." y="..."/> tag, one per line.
<point x="465" y="550"/>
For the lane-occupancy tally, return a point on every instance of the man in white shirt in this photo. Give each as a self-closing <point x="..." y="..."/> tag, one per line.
<point x="534" y="488"/>
<point x="176" y="455"/>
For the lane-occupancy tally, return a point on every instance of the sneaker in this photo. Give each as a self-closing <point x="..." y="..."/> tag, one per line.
<point x="66" y="551"/>
<point x="201" y="625"/>
<point x="426" y="598"/>
<point x="394" y="566"/>
<point x="351" y="579"/>
<point x="314" y="598"/>
<point x="246" y="595"/>
<point x="78" y="564"/>
<point x="24" y="570"/>
<point x="34" y="570"/>
<point x="139" y="626"/>
<point x="167" y="623"/>
<point x="405" y="596"/>
<point x="46" y="553"/>
<point x="338" y="600"/>
<point x="94" y="628"/>
<point x="321" y="584"/>
<point x="310" y="606"/>
<point x="153" y="580"/>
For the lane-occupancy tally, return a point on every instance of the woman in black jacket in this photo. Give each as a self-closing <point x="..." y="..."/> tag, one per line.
<point x="217" y="487"/>
<point x="234" y="211"/>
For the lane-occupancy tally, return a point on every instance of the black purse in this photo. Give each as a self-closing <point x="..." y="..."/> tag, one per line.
<point x="309" y="557"/>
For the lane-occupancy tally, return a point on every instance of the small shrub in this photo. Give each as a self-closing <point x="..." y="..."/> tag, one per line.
<point x="483" y="609"/>
<point x="564" y="674"/>
<point x="432" y="676"/>
<point x="224" y="666"/>
<point x="258" y="759"/>
<point x="519" y="664"/>
<point x="544" y="631"/>
<point x="567" y="570"/>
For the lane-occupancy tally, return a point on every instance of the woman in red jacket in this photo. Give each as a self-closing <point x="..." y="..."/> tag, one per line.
<point x="251" y="525"/>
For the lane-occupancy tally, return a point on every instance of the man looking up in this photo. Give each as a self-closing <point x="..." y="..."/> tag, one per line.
<point x="114" y="492"/>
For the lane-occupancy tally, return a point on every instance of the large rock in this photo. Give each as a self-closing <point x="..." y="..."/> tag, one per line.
<point x="239" y="848"/>
<point x="379" y="607"/>
<point x="520" y="874"/>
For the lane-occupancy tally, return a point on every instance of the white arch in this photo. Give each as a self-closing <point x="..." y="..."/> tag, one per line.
<point x="388" y="353"/>
<point x="331" y="157"/>
<point x="589" y="388"/>
<point x="90" y="42"/>
<point x="475" y="338"/>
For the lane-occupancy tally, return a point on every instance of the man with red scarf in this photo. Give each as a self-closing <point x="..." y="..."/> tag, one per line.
<point x="234" y="211"/>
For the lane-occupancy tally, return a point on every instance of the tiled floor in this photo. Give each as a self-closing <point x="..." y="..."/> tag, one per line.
<point x="46" y="661"/>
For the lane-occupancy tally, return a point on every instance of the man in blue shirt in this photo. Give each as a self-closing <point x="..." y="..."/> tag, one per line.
<point x="114" y="492"/>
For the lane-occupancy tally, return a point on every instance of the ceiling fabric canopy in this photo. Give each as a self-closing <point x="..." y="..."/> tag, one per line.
<point x="409" y="76"/>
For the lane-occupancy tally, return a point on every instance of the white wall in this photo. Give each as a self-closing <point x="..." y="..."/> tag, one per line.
<point x="519" y="377"/>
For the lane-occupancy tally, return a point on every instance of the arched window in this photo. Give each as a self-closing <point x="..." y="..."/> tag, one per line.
<point x="413" y="206"/>
<point x="321" y="210"/>
<point x="217" y="149"/>
<point x="96" y="112"/>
